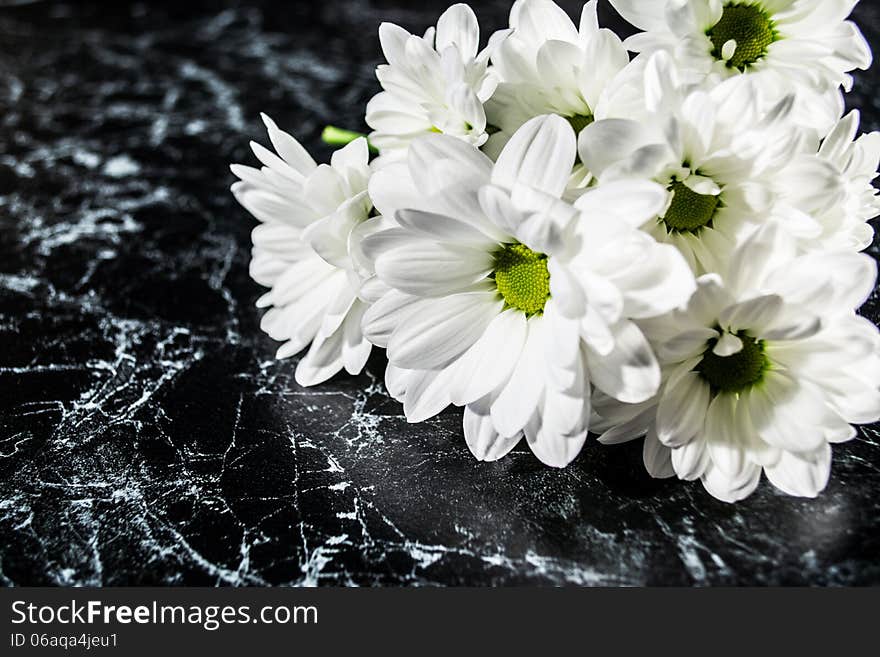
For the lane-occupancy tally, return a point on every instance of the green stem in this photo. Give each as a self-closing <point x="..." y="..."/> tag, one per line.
<point x="341" y="137"/>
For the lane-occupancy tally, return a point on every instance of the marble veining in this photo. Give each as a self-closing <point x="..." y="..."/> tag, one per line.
<point x="147" y="435"/>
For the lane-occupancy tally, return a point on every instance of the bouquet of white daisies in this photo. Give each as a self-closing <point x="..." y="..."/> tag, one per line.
<point x="562" y="238"/>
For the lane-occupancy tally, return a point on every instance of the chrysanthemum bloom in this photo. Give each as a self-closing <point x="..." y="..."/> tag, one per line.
<point x="841" y="222"/>
<point x="549" y="66"/>
<point x="500" y="297"/>
<point x="727" y="164"/>
<point x="763" y="371"/>
<point x="785" y="44"/>
<point x="435" y="83"/>
<point x="309" y="214"/>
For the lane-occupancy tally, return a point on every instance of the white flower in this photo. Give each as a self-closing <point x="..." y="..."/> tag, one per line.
<point x="727" y="164"/>
<point x="785" y="44"/>
<point x="433" y="84"/>
<point x="547" y="65"/>
<point x="843" y="223"/>
<point x="310" y="215"/>
<point x="494" y="294"/>
<point x="763" y="370"/>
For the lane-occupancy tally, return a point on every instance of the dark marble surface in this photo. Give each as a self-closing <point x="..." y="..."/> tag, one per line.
<point x="147" y="436"/>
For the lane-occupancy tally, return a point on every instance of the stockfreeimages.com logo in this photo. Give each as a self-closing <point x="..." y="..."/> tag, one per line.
<point x="209" y="617"/>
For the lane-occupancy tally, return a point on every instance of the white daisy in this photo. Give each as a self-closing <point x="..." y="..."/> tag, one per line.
<point x="843" y="223"/>
<point x="435" y="83"/>
<point x="763" y="370"/>
<point x="496" y="295"/>
<point x="727" y="164"/>
<point x="547" y="65"/>
<point x="783" y="43"/>
<point x="310" y="215"/>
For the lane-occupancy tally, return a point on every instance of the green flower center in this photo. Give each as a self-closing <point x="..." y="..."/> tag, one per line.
<point x="689" y="211"/>
<point x="738" y="372"/>
<point x="579" y="121"/>
<point x="752" y="29"/>
<point x="522" y="278"/>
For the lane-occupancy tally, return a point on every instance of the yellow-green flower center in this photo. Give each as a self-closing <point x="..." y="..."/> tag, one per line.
<point x="736" y="373"/>
<point x="579" y="122"/>
<point x="752" y="29"/>
<point x="522" y="278"/>
<point x="689" y="212"/>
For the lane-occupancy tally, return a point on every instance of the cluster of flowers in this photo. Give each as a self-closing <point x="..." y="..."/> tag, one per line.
<point x="561" y="238"/>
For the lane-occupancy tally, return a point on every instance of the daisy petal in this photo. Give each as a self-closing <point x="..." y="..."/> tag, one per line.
<point x="803" y="474"/>
<point x="426" y="394"/>
<point x="754" y="314"/>
<point x="540" y="155"/>
<point x="657" y="457"/>
<point x="458" y="26"/>
<point x="730" y="489"/>
<point x="723" y="437"/>
<point x="434" y="339"/>
<point x="690" y="460"/>
<point x="431" y="269"/>
<point x="647" y="16"/>
<point x="682" y="410"/>
<point x="630" y="372"/>
<point x="552" y="449"/>
<point x="485" y="443"/>
<point x="518" y="401"/>
<point x="289" y="148"/>
<point x="788" y="414"/>
<point x="487" y="365"/>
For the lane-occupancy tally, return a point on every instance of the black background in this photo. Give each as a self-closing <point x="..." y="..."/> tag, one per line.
<point x="147" y="436"/>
